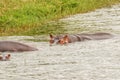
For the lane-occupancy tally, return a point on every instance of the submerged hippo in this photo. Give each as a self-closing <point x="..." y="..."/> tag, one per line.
<point x="5" y="57"/>
<point x="15" y="47"/>
<point x="69" y="38"/>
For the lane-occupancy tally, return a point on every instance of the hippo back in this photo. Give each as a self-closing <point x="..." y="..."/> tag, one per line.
<point x="14" y="47"/>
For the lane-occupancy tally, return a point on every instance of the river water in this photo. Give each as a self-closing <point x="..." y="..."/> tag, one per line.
<point x="89" y="60"/>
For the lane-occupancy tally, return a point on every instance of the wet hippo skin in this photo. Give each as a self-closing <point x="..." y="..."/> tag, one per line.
<point x="69" y="38"/>
<point x="15" y="47"/>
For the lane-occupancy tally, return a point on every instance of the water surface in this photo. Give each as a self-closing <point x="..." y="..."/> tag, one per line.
<point x="89" y="60"/>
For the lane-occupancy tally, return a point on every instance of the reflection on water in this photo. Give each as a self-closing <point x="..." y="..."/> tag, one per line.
<point x="89" y="60"/>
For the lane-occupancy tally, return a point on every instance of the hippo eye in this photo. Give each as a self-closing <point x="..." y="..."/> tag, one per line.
<point x="59" y="41"/>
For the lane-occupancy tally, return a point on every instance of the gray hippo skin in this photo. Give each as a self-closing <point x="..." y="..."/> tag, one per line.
<point x="15" y="47"/>
<point x="69" y="38"/>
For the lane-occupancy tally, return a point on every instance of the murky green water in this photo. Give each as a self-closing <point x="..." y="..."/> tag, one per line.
<point x="89" y="60"/>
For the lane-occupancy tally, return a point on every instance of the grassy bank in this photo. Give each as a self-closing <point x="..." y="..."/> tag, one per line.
<point x="29" y="17"/>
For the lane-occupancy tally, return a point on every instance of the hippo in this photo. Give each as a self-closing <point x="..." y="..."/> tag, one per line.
<point x="70" y="38"/>
<point x="15" y="47"/>
<point x="5" y="57"/>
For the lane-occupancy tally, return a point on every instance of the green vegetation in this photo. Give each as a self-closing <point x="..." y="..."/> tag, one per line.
<point x="31" y="17"/>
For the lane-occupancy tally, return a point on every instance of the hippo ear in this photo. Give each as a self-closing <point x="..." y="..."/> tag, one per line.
<point x="66" y="37"/>
<point x="51" y="36"/>
<point x="9" y="55"/>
